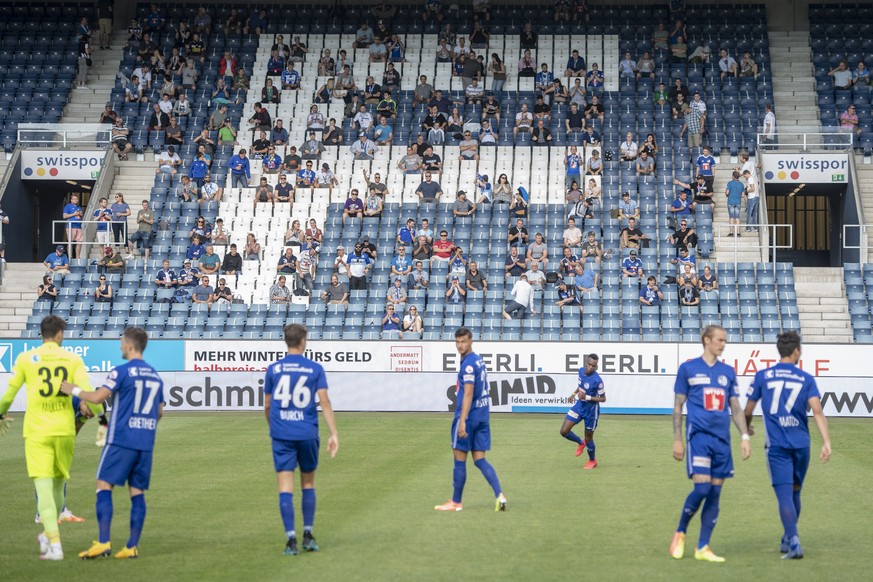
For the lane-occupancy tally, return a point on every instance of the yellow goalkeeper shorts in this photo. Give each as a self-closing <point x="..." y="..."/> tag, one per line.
<point x="49" y="457"/>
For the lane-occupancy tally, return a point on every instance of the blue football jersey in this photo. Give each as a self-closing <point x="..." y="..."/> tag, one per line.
<point x="784" y="391"/>
<point x="708" y="389"/>
<point x="591" y="385"/>
<point x="137" y="395"/>
<point x="473" y="372"/>
<point x="292" y="383"/>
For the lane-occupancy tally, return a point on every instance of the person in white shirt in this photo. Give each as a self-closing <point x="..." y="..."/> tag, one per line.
<point x="535" y="277"/>
<point x="523" y="300"/>
<point x="168" y="161"/>
<point x="182" y="106"/>
<point x="751" y="201"/>
<point x="166" y="104"/>
<point x="699" y="105"/>
<point x="341" y="263"/>
<point x="628" y="149"/>
<point x="572" y="234"/>
<point x="523" y="121"/>
<point x="627" y="67"/>
<point x="364" y="119"/>
<point x="769" y="125"/>
<point x="727" y="64"/>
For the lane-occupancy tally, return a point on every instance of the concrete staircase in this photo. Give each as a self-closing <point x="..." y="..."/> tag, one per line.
<point x="793" y="81"/>
<point x="748" y="245"/>
<point x="17" y="295"/>
<point x="822" y="305"/>
<point x="85" y="105"/>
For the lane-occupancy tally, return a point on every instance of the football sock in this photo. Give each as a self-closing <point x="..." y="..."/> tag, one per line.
<point x="59" y="493"/>
<point x="64" y="504"/>
<point x="591" y="449"/>
<point x="787" y="509"/>
<point x="490" y="475"/>
<point x="692" y="504"/>
<point x="48" y="511"/>
<point x="797" y="503"/>
<point x="572" y="436"/>
<point x="286" y="508"/>
<point x="137" y="519"/>
<point x="104" y="514"/>
<point x="709" y="515"/>
<point x="459" y="478"/>
<point x="308" y="503"/>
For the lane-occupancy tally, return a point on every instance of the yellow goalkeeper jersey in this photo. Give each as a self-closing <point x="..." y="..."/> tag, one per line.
<point x="49" y="411"/>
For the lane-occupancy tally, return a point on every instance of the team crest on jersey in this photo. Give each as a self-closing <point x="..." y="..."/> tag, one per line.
<point x="586" y="385"/>
<point x="469" y="369"/>
<point x="133" y="372"/>
<point x="722" y="380"/>
<point x="34" y="358"/>
<point x="769" y="374"/>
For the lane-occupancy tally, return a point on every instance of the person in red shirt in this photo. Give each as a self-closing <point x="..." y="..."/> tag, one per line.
<point x="442" y="249"/>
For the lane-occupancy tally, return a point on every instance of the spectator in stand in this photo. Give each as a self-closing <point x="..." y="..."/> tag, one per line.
<point x="442" y="249"/>
<point x="518" y="235"/>
<point x="290" y="78"/>
<point x="708" y="283"/>
<point x="687" y="273"/>
<point x="103" y="216"/>
<point x="222" y="295"/>
<point x="203" y="293"/>
<point x="111" y="262"/>
<point x="196" y="248"/>
<point x="306" y="266"/>
<point x="592" y="248"/>
<point x="849" y="122"/>
<point x="536" y="277"/>
<point x="292" y="162"/>
<point x="456" y="293"/>
<point x="590" y="138"/>
<point x="538" y="252"/>
<point x="336" y="293"/>
<point x="358" y="267"/>
<point x="567" y="296"/>
<point x="145" y="220"/>
<point x="469" y="148"/>
<point x="353" y="207"/>
<point x="567" y="266"/>
<point x="401" y="266"/>
<point x="462" y="207"/>
<point x="279" y="293"/>
<point x="631" y="236"/>
<point x="628" y="209"/>
<point x="515" y="265"/>
<point x="683" y="236"/>
<point x="541" y="135"/>
<point x="240" y="170"/>
<point x="73" y="214"/>
<point x="341" y="264"/>
<point x="396" y="295"/>
<point x="168" y="162"/>
<point x="363" y="36"/>
<point x="210" y="262"/>
<point x="219" y="235"/>
<point x="688" y="295"/>
<point x="734" y="192"/>
<point x="120" y="212"/>
<point x="264" y="193"/>
<point x="108" y="115"/>
<point x="57" y="262"/>
<point x="363" y="149"/>
<point x="474" y="279"/>
<point x="429" y="190"/>
<point x="422" y="250"/>
<point x="412" y="321"/>
<point x="572" y="234"/>
<point x="312" y="147"/>
<point x="166" y="277"/>
<point x="47" y="291"/>
<point x="651" y="295"/>
<point x="252" y="250"/>
<point x="119" y="139"/>
<point x="232" y="264"/>
<point x="632" y="267"/>
<point x="419" y="278"/>
<point x="390" y="321"/>
<point x="593" y="110"/>
<point x="522" y="293"/>
<point x="518" y="207"/>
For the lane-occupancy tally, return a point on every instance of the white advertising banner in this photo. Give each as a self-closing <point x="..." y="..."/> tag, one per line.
<point x="780" y="168"/>
<point x="42" y="164"/>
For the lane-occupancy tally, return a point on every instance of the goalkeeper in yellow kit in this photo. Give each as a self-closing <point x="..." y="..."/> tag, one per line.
<point x="49" y="423"/>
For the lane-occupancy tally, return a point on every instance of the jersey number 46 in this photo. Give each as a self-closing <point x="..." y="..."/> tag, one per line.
<point x="300" y="396"/>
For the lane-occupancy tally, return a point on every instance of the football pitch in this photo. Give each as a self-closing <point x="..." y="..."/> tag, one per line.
<point x="213" y="508"/>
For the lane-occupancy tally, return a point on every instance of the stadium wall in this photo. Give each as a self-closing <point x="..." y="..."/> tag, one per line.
<point x="202" y="375"/>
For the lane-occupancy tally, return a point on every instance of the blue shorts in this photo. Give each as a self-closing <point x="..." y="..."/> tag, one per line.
<point x="288" y="454"/>
<point x="119" y="466"/>
<point x="708" y="455"/>
<point x="733" y="211"/>
<point x="787" y="466"/>
<point x="478" y="436"/>
<point x="589" y="415"/>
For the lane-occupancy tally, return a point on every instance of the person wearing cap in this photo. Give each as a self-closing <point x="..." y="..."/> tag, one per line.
<point x="311" y="148"/>
<point x="58" y="261"/>
<point x="341" y="264"/>
<point x="353" y="207"/>
<point x="631" y="266"/>
<point x="691" y="125"/>
<point x="689" y="296"/>
<point x="240" y="170"/>
<point x="463" y="207"/>
<point x="632" y="236"/>
<point x="522" y="293"/>
<point x="111" y="262"/>
<point x="456" y="293"/>
<point x="363" y="148"/>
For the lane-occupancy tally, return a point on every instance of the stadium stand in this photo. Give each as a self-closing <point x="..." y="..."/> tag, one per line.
<point x="754" y="301"/>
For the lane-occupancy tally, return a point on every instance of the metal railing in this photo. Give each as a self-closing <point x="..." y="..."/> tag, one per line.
<point x="764" y="230"/>
<point x="806" y="140"/>
<point x="863" y="246"/>
<point x="63" y="134"/>
<point x="88" y="226"/>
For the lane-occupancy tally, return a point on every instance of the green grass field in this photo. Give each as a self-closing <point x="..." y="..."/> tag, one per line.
<point x="213" y="511"/>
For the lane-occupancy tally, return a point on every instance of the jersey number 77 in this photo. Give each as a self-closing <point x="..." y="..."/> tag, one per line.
<point x="777" y="386"/>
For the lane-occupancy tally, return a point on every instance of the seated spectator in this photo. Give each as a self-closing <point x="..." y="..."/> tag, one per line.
<point x="469" y="148"/>
<point x="594" y="110"/>
<point x="108" y="115"/>
<point x="646" y="66"/>
<point x="491" y="108"/>
<point x="209" y="262"/>
<point x="567" y="265"/>
<point x="390" y="321"/>
<point x="387" y="106"/>
<point x="575" y="65"/>
<point x="522" y="294"/>
<point x="474" y="92"/>
<point x="166" y="277"/>
<point x="306" y="265"/>
<point x="120" y="141"/>
<point x="462" y="207"/>
<point x="412" y="321"/>
<point x="518" y="207"/>
<point x="860" y="76"/>
<point x="401" y="266"/>
<point x="536" y="277"/>
<point x="173" y="133"/>
<point x="279" y="293"/>
<point x="203" y="293"/>
<point x="523" y="121"/>
<point x="681" y="207"/>
<point x="575" y="119"/>
<point x="442" y="249"/>
<point x="688" y="295"/>
<point x="336" y="293"/>
<point x="687" y="274"/>
<point x="47" y="291"/>
<point x="270" y="93"/>
<point x="585" y="279"/>
<point x="383" y="133"/>
<point x="542" y="110"/>
<point x="577" y="95"/>
<point x="683" y="236"/>
<point x="222" y="295"/>
<point x="112" y="262"/>
<point x="727" y="65"/>
<point x="456" y="293"/>
<point x="627" y="67"/>
<point x="252" y="250"/>
<point x="572" y="234"/>
<point x="591" y="248"/>
<point x="353" y="206"/>
<point x="651" y="295"/>
<point x="422" y="249"/>
<point x="487" y="134"/>
<point x="518" y="235"/>
<point x="849" y="122"/>
<point x="679" y="50"/>
<point x="707" y="282"/>
<point x="592" y="198"/>
<point x="567" y="296"/>
<point x="378" y="52"/>
<point x="594" y="166"/>
<point x="649" y="147"/>
<point x="332" y="135"/>
<point x="312" y="147"/>
<point x="515" y="264"/>
<point x="232" y="264"/>
<point x="169" y="162"/>
<point x="325" y="178"/>
<point x="429" y="190"/>
<point x="290" y="78"/>
<point x="684" y="258"/>
<point x="474" y="279"/>
<point x="411" y="163"/>
<point x="595" y="80"/>
<point x="363" y="149"/>
<point x="541" y="135"/>
<point x="219" y="236"/>
<point x="103" y="292"/>
<point x="396" y="295"/>
<point x="368" y="248"/>
<point x="661" y="95"/>
<point x="632" y="267"/>
<point x="632" y="236"/>
<point x="363" y="36"/>
<point x="264" y="193"/>
<point x="538" y="252"/>
<point x="306" y="177"/>
<point x="590" y="138"/>
<point x="484" y="190"/>
<point x="628" y="149"/>
<point x="287" y="262"/>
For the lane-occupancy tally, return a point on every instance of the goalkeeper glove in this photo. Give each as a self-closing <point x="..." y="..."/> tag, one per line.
<point x="5" y="423"/>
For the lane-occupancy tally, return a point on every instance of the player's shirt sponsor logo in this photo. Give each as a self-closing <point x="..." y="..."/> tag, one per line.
<point x="701" y="462"/>
<point x="714" y="399"/>
<point x="699" y="380"/>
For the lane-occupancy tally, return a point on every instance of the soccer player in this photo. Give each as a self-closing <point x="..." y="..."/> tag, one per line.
<point x="49" y="424"/>
<point x="589" y="394"/>
<point x="470" y="428"/>
<point x="137" y="398"/>
<point x="709" y="388"/>
<point x="290" y="388"/>
<point x="785" y="392"/>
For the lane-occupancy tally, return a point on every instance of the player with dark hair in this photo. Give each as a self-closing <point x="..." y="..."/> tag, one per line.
<point x="589" y="394"/>
<point x="49" y="424"/>
<point x="290" y="389"/>
<point x="137" y="401"/>
<point x="471" y="430"/>
<point x="708" y="387"/>
<point x="785" y="392"/>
